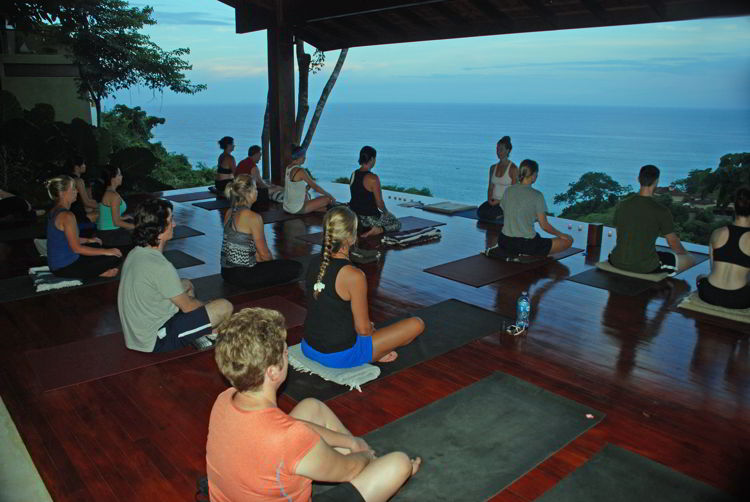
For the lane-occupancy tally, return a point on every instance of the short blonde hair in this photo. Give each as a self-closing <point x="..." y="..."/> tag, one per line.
<point x="249" y="342"/>
<point x="57" y="185"/>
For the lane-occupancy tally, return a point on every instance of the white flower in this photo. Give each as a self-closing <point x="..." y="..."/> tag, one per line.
<point x="318" y="287"/>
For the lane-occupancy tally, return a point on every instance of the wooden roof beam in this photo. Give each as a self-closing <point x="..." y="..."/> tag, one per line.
<point x="311" y="12"/>
<point x="659" y="9"/>
<point x="597" y="10"/>
<point x="449" y="13"/>
<point x="542" y="11"/>
<point x="490" y="10"/>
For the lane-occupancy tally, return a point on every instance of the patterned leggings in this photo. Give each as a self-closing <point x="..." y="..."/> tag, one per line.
<point x="386" y="220"/>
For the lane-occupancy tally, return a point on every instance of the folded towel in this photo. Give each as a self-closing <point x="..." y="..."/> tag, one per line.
<point x="351" y="377"/>
<point x="693" y="302"/>
<point x="606" y="266"/>
<point x="409" y="237"/>
<point x="44" y="280"/>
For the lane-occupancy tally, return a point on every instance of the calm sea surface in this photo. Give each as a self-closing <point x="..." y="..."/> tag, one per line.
<point x="449" y="147"/>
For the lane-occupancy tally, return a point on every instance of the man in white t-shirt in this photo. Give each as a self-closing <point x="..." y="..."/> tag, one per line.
<point x="158" y="310"/>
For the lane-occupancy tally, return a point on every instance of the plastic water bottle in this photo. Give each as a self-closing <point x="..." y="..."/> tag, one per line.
<point x="523" y="310"/>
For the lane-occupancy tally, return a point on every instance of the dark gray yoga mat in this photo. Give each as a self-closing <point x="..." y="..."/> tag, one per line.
<point x="18" y="288"/>
<point x="448" y="325"/>
<point x="213" y="204"/>
<point x="122" y="238"/>
<point x="625" y="476"/>
<point x="187" y="197"/>
<point x="623" y="284"/>
<point x="407" y="223"/>
<point x="479" y="440"/>
<point x="35" y="231"/>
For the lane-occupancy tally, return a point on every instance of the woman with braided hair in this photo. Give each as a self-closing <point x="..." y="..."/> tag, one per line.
<point x="338" y="330"/>
<point x="245" y="259"/>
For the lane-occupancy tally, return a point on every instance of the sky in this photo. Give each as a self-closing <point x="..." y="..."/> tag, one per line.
<point x="689" y="64"/>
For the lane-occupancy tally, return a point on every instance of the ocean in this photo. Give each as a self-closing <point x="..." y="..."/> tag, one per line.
<point x="448" y="148"/>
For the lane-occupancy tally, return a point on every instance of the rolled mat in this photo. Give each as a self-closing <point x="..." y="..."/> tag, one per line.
<point x="448" y="325"/>
<point x="625" y="476"/>
<point x="480" y="270"/>
<point x="479" y="440"/>
<point x="103" y="356"/>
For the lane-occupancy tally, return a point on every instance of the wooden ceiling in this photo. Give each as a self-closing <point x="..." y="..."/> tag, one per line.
<point x="335" y="24"/>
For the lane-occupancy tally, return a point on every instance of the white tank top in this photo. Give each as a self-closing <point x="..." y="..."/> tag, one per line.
<point x="294" y="192"/>
<point x="500" y="183"/>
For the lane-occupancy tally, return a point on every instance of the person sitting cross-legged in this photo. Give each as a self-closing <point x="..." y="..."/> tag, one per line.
<point x="367" y="197"/>
<point x="338" y="330"/>
<point x="728" y="284"/>
<point x="522" y="205"/>
<point x="639" y="221"/>
<point x="158" y="311"/>
<point x="255" y="451"/>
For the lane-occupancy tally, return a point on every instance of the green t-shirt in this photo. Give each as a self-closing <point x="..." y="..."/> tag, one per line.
<point x="639" y="221"/>
<point x="147" y="283"/>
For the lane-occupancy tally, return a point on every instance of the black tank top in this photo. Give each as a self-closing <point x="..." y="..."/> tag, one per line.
<point x="731" y="252"/>
<point x="329" y="326"/>
<point x="363" y="201"/>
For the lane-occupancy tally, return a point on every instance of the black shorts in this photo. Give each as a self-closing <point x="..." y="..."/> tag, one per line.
<point x="727" y="298"/>
<point x="538" y="246"/>
<point x="343" y="492"/>
<point x="667" y="263"/>
<point x="181" y="329"/>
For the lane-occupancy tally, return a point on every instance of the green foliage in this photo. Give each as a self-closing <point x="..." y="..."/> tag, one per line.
<point x="695" y="183"/>
<point x="412" y="190"/>
<point x="733" y="171"/>
<point x="593" y="187"/>
<point x="342" y="179"/>
<point x="131" y="126"/>
<point x="105" y="43"/>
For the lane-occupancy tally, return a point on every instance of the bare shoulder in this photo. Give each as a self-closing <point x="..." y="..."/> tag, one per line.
<point x="719" y="237"/>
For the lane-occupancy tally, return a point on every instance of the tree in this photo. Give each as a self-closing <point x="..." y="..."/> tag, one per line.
<point x="733" y="171"/>
<point x="695" y="183"/>
<point x="105" y="43"/>
<point x="592" y="187"/>
<point x="306" y="64"/>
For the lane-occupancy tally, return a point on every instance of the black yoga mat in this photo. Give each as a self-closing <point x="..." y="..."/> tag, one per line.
<point x="625" y="476"/>
<point x="213" y="204"/>
<point x="479" y="440"/>
<point x="18" y="288"/>
<point x="187" y="197"/>
<point x="35" y="231"/>
<point x="123" y="238"/>
<point x="480" y="270"/>
<point x="623" y="284"/>
<point x="407" y="223"/>
<point x="448" y="325"/>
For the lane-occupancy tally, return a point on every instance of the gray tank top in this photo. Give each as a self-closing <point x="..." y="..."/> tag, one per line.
<point x="237" y="248"/>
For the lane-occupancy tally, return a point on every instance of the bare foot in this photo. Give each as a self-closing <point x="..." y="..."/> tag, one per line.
<point x="372" y="232"/>
<point x="389" y="357"/>
<point x="415" y="464"/>
<point x="110" y="273"/>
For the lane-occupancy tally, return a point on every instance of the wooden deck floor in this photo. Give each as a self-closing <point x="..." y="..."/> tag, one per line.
<point x="675" y="388"/>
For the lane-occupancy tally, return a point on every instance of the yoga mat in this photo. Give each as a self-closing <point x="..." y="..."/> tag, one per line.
<point x="184" y="231"/>
<point x="448" y="325"/>
<point x="187" y="197"/>
<point x="480" y="270"/>
<point x="619" y="475"/>
<point x="102" y="356"/>
<point x="479" y="440"/>
<point x="213" y="204"/>
<point x="407" y="223"/>
<point x="468" y="213"/>
<point x="622" y="284"/>
<point x="277" y="214"/>
<point x="214" y="286"/>
<point x="18" y="288"/>
<point x="37" y="231"/>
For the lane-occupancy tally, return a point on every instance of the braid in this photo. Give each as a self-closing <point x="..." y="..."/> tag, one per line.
<point x="327" y="252"/>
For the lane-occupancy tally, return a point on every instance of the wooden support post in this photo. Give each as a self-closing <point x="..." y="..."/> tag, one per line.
<point x="281" y="87"/>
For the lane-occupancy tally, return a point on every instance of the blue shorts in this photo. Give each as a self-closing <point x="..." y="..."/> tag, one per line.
<point x="360" y="353"/>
